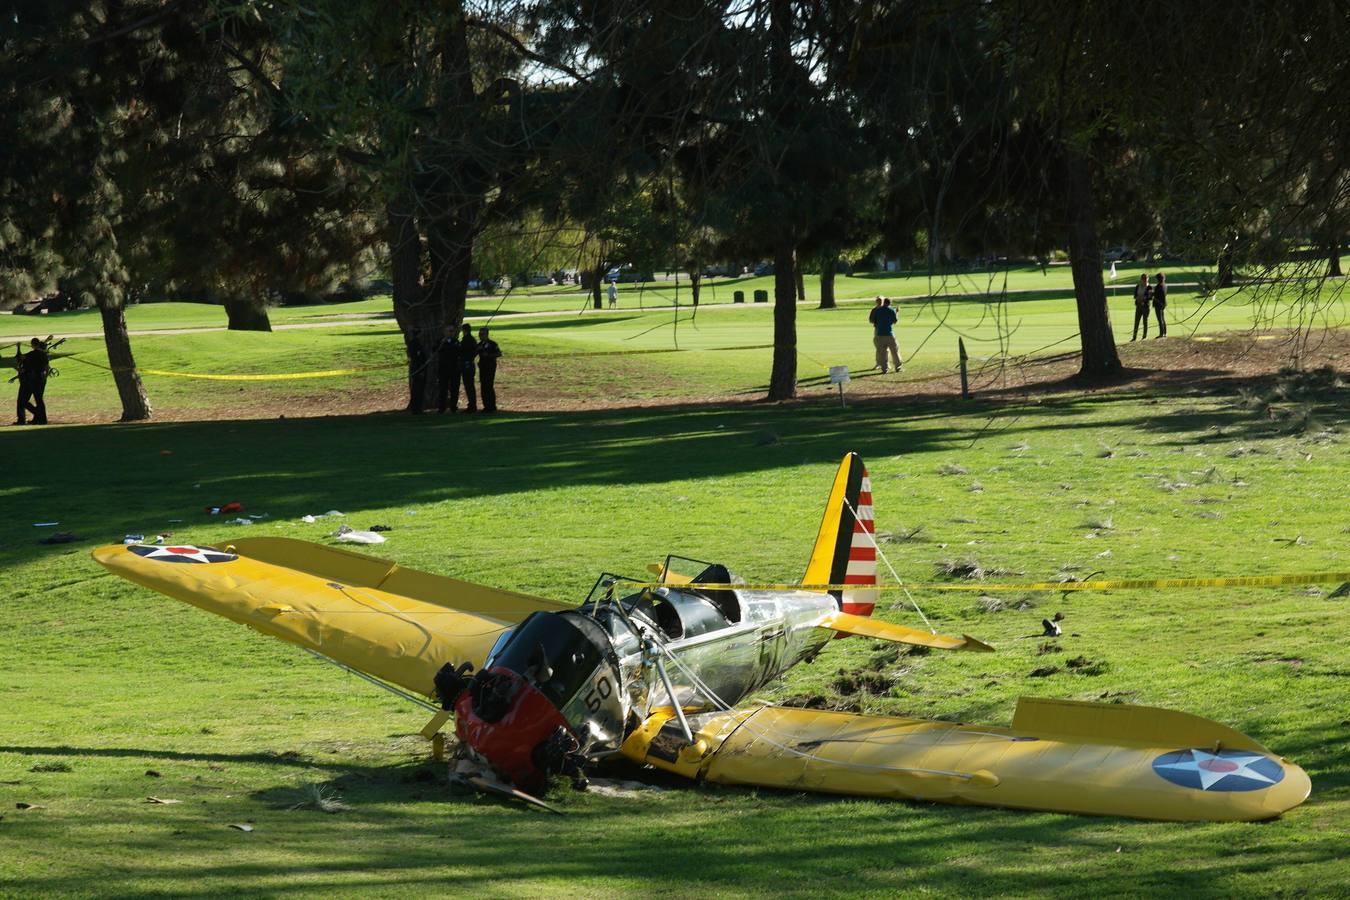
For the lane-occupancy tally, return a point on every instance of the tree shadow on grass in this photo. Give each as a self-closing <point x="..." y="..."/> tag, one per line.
<point x="404" y="829"/>
<point x="94" y="479"/>
<point x="147" y="753"/>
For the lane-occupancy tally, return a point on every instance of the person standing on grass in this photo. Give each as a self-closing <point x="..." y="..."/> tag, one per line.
<point x="1142" y="293"/>
<point x="883" y="320"/>
<point x="33" y="368"/>
<point x="613" y="295"/>
<point x="447" y="367"/>
<point x="1159" y="303"/>
<point x="468" y="352"/>
<point x="488" y="354"/>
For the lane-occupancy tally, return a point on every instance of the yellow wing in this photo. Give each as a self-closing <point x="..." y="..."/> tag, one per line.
<point x="1061" y="756"/>
<point x="397" y="624"/>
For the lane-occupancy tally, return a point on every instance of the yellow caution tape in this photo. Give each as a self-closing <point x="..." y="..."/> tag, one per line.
<point x="289" y="376"/>
<point x="985" y="586"/>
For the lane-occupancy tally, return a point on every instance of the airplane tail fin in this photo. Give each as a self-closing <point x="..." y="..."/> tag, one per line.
<point x="844" y="551"/>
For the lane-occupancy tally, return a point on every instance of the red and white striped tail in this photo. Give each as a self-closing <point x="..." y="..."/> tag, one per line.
<point x="862" y="556"/>
<point x="844" y="551"/>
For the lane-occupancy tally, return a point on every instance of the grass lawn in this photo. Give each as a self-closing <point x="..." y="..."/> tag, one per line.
<point x="720" y="352"/>
<point x="1054" y="281"/>
<point x="106" y="683"/>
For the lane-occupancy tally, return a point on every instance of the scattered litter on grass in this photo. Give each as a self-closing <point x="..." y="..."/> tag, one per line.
<point x="239" y="521"/>
<point x="1020" y="447"/>
<point x="351" y="536"/>
<point x="134" y="539"/>
<point x="896" y="538"/>
<point x="976" y="488"/>
<point x="1106" y="452"/>
<point x="151" y="773"/>
<point x="381" y="528"/>
<point x="308" y="519"/>
<point x="318" y="797"/>
<point x="234" y="506"/>
<point x="969" y="568"/>
<point x="410" y="512"/>
<point x="45" y="524"/>
<point x="22" y="805"/>
<point x="242" y="827"/>
<point x="606" y="787"/>
<point x="1291" y="542"/>
<point x="952" y="469"/>
<point x="162" y="801"/>
<point x="1105" y="554"/>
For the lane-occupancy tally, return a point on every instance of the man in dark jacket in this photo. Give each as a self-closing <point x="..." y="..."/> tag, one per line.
<point x="33" y="367"/>
<point x="468" y="352"/>
<point x="488" y="354"/>
<point x="1160" y="302"/>
<point x="448" y="371"/>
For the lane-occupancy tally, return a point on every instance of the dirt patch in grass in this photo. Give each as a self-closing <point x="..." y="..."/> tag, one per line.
<point x="1218" y="364"/>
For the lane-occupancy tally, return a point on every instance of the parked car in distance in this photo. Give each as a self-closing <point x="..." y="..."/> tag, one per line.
<point x="626" y="274"/>
<point x="719" y="271"/>
<point x="764" y="268"/>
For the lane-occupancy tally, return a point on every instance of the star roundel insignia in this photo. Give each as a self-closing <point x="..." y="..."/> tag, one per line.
<point x="1225" y="770"/>
<point x="181" y="553"/>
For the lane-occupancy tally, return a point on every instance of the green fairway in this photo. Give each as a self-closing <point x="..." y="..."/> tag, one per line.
<point x="106" y="683"/>
<point x="716" y="291"/>
<point x="721" y="351"/>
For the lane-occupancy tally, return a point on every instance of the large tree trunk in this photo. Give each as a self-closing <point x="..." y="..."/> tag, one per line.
<point x="405" y="258"/>
<point x="598" y="285"/>
<point x="1085" y="257"/>
<point x="135" y="404"/>
<point x="247" y="315"/>
<point x="828" y="265"/>
<point x="783" y="378"/>
<point x="1334" y="261"/>
<point x="1224" y="266"/>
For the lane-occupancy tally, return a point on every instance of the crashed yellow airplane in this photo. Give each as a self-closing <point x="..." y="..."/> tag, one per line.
<point x="655" y="673"/>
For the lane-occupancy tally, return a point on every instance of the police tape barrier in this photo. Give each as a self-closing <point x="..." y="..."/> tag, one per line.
<point x="986" y="586"/>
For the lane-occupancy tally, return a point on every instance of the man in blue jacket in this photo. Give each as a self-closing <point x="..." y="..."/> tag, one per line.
<point x="883" y="325"/>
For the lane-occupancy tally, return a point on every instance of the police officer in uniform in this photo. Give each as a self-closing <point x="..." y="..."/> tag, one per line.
<point x="447" y="366"/>
<point x="488" y="354"/>
<point x="33" y="368"/>
<point x="468" y="351"/>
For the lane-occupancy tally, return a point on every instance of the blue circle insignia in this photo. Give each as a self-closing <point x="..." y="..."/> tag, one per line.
<point x="1223" y="770"/>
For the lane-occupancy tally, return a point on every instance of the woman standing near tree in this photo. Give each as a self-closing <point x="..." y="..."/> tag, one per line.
<point x="1159" y="304"/>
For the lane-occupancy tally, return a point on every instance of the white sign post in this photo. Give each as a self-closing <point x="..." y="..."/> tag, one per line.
<point x="839" y="376"/>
